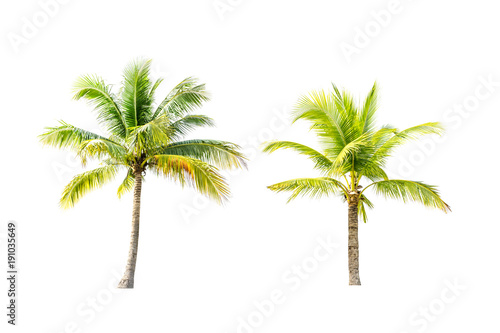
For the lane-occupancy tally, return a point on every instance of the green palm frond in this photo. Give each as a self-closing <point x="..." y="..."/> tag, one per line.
<point x="408" y="190"/>
<point x="366" y="164"/>
<point x="346" y="114"/>
<point x="362" y="212"/>
<point x="373" y="172"/>
<point x="86" y="182"/>
<point x="403" y="137"/>
<point x="312" y="187"/>
<point x="183" y="126"/>
<point x="319" y="109"/>
<point x="136" y="103"/>
<point x="321" y="161"/>
<point x="367" y="202"/>
<point x="150" y="135"/>
<point x="220" y="153"/>
<point x="66" y="136"/>
<point x="153" y="89"/>
<point x="383" y="134"/>
<point x="101" y="149"/>
<point x="202" y="176"/>
<point x="362" y="209"/>
<point x="127" y="185"/>
<point x="344" y="158"/>
<point x="184" y="98"/>
<point x="367" y="117"/>
<point x="99" y="95"/>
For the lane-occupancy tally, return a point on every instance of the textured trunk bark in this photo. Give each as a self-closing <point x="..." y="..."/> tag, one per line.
<point x="353" y="245"/>
<point x="127" y="280"/>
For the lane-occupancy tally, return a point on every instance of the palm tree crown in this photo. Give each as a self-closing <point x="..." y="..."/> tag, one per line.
<point x="144" y="137"/>
<point x="353" y="150"/>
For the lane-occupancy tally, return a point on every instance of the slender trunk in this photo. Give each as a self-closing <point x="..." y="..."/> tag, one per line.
<point x="127" y="280"/>
<point x="353" y="245"/>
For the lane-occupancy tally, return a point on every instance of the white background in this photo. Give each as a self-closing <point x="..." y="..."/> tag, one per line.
<point x="201" y="266"/>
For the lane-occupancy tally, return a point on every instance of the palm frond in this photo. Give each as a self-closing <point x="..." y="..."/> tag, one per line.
<point x="321" y="161"/>
<point x="150" y="135"/>
<point x="127" y="185"/>
<point x="187" y="96"/>
<point x="373" y="172"/>
<point x="67" y="136"/>
<point x="153" y="89"/>
<point x="86" y="182"/>
<point x="312" y="187"/>
<point x="362" y="212"/>
<point x="367" y="202"/>
<point x="183" y="126"/>
<point x="100" y="149"/>
<point x="408" y="190"/>
<point x="346" y="113"/>
<point x="220" y="153"/>
<point x="319" y="108"/>
<point x="404" y="136"/>
<point x="136" y="103"/>
<point x="387" y="139"/>
<point x="344" y="158"/>
<point x="200" y="175"/>
<point x="99" y="95"/>
<point x="362" y="209"/>
<point x="367" y="117"/>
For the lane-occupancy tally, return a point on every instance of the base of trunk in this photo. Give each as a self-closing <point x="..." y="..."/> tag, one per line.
<point x="126" y="283"/>
<point x="355" y="282"/>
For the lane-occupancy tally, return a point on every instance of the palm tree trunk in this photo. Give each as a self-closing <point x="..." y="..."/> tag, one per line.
<point x="128" y="277"/>
<point x="353" y="245"/>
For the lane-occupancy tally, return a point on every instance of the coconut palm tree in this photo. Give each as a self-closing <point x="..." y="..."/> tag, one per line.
<point x="353" y="150"/>
<point x="143" y="137"/>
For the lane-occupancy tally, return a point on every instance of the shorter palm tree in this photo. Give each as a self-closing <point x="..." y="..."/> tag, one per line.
<point x="353" y="150"/>
<point x="143" y="137"/>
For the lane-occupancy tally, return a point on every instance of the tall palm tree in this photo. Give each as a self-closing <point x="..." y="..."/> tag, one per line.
<point x="353" y="150"/>
<point x="143" y="137"/>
